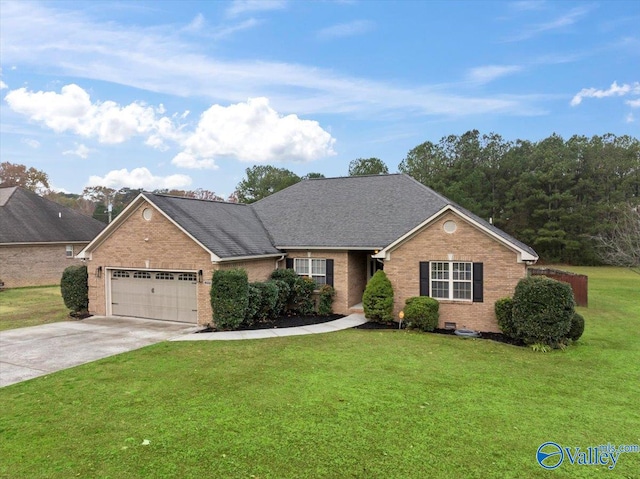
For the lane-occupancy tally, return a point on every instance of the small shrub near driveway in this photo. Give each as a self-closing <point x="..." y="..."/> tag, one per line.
<point x="377" y="300"/>
<point x="74" y="287"/>
<point x="542" y="310"/>
<point x="421" y="312"/>
<point x="303" y="303"/>
<point x="229" y="297"/>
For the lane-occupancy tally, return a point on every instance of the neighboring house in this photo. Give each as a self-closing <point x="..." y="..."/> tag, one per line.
<point x="157" y="257"/>
<point x="39" y="238"/>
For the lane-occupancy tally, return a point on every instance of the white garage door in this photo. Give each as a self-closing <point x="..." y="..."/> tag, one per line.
<point x="154" y="294"/>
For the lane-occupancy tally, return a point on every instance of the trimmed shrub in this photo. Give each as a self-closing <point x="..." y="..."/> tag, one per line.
<point x="325" y="302"/>
<point x="74" y="287"/>
<point x="421" y="312"/>
<point x="577" y="327"/>
<point x="290" y="277"/>
<point x="542" y="310"/>
<point x="377" y="299"/>
<point x="253" y="304"/>
<point x="284" y="291"/>
<point x="504" y="315"/>
<point x="229" y="298"/>
<point x="303" y="289"/>
<point x="268" y="300"/>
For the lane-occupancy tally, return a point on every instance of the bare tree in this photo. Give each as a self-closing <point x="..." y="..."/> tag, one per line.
<point x="621" y="247"/>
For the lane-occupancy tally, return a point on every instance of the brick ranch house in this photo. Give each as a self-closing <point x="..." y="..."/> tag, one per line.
<point x="39" y="238"/>
<point x="157" y="257"/>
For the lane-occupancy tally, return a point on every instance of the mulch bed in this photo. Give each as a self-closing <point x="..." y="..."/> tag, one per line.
<point x="284" y="322"/>
<point x="499" y="337"/>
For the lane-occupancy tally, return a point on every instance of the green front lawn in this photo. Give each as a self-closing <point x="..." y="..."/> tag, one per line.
<point x="21" y="307"/>
<point x="357" y="403"/>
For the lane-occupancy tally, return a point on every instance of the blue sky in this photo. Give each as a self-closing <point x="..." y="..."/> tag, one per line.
<point x="189" y="94"/>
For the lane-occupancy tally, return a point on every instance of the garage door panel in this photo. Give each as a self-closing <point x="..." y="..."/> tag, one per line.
<point x="155" y="295"/>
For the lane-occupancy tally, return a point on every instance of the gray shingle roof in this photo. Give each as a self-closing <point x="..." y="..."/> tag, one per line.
<point x="26" y="217"/>
<point x="354" y="212"/>
<point x="227" y="229"/>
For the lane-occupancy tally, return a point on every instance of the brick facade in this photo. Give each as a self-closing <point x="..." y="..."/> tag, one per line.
<point x="349" y="275"/>
<point x="501" y="270"/>
<point x="158" y="244"/>
<point x="35" y="265"/>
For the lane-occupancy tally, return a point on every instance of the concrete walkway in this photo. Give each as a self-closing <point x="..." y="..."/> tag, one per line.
<point x="347" y="322"/>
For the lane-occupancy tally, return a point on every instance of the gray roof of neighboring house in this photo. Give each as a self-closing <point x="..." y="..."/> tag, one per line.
<point x="226" y="229"/>
<point x="354" y="212"/>
<point x="26" y="217"/>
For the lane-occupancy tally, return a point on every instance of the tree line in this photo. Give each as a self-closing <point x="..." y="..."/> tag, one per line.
<point x="571" y="200"/>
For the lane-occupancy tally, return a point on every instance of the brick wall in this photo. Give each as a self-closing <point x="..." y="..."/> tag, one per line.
<point x="340" y="274"/>
<point x="467" y="243"/>
<point x="164" y="246"/>
<point x="158" y="242"/>
<point x="358" y="263"/>
<point x="35" y="265"/>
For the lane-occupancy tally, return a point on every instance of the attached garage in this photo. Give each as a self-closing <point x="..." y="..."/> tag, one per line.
<point x="165" y="295"/>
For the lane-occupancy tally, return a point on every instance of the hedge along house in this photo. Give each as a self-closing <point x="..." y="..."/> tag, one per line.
<point x="337" y="231"/>
<point x="39" y="238"/>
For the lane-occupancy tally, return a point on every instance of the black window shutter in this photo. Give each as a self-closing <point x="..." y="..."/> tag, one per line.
<point x="424" y="278"/>
<point x="289" y="263"/>
<point x="478" y="283"/>
<point x="329" y="272"/>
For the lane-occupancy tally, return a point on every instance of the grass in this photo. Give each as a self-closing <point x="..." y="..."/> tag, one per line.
<point x="21" y="307"/>
<point x="357" y="403"/>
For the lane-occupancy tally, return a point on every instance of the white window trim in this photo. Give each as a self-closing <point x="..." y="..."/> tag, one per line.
<point x="311" y="275"/>
<point x="69" y="249"/>
<point x="451" y="281"/>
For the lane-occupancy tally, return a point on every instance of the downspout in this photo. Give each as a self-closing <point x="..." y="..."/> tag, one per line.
<point x="280" y="259"/>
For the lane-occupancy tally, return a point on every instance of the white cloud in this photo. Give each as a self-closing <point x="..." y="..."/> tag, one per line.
<point x="253" y="132"/>
<point x="630" y="118"/>
<point x="31" y="143"/>
<point x="633" y="103"/>
<point x="239" y="7"/>
<point x="3" y="85"/>
<point x="563" y="21"/>
<point x="72" y="110"/>
<point x="488" y="73"/>
<point x="159" y="59"/>
<point x="614" y="90"/>
<point x="139" y="178"/>
<point x="80" y="151"/>
<point x="357" y="27"/>
<point x="222" y="32"/>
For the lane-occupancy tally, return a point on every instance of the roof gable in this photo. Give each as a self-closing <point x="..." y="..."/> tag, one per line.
<point x="230" y="230"/>
<point x="227" y="231"/>
<point x="26" y="217"/>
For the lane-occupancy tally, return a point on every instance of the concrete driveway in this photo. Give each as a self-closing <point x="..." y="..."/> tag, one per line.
<point x="26" y="353"/>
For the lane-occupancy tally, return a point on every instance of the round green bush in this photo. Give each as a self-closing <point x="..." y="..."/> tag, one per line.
<point x="290" y="277"/>
<point x="421" y="312"/>
<point x="284" y="292"/>
<point x="74" y="287"/>
<point x="542" y="310"/>
<point x="377" y="300"/>
<point x="268" y="300"/>
<point x="303" y="289"/>
<point x="253" y="304"/>
<point x="577" y="327"/>
<point x="504" y="314"/>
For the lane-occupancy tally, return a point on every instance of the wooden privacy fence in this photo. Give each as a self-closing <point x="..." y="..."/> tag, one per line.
<point x="579" y="282"/>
